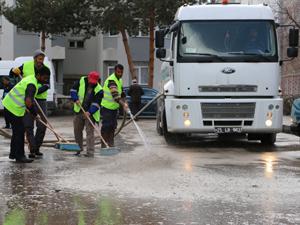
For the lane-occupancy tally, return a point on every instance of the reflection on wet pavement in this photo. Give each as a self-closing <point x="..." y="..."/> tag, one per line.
<point x="270" y="160"/>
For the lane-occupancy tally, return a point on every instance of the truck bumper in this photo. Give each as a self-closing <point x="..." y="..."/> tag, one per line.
<point x="224" y="115"/>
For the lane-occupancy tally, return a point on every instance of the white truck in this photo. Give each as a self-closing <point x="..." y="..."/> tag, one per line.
<point x="6" y="65"/>
<point x="223" y="72"/>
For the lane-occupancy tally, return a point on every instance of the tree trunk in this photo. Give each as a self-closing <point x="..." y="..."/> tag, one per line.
<point x="151" y="49"/>
<point x="43" y="41"/>
<point x="128" y="53"/>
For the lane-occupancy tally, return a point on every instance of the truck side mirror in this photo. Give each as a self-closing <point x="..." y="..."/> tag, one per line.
<point x="161" y="53"/>
<point x="293" y="37"/>
<point x="292" y="52"/>
<point x="159" y="38"/>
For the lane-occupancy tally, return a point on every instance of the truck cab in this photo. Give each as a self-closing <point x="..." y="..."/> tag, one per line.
<point x="223" y="73"/>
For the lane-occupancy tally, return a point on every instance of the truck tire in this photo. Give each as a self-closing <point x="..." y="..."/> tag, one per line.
<point x="171" y="138"/>
<point x="159" y="130"/>
<point x="268" y="139"/>
<point x="159" y="112"/>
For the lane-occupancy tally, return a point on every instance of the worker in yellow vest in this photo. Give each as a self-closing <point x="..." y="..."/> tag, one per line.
<point x="113" y="99"/>
<point x="16" y="102"/>
<point x="88" y="93"/>
<point x="30" y="68"/>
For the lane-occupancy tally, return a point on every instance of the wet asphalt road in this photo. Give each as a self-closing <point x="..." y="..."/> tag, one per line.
<point x="203" y="181"/>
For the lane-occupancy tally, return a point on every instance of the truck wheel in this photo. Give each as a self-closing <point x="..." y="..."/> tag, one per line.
<point x="158" y="127"/>
<point x="170" y="138"/>
<point x="268" y="139"/>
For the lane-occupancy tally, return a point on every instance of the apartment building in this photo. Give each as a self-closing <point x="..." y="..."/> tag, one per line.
<point x="15" y="42"/>
<point x="103" y="52"/>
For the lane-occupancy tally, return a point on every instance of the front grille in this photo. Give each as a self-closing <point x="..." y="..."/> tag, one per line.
<point x="228" y="123"/>
<point x="228" y="88"/>
<point x="227" y="110"/>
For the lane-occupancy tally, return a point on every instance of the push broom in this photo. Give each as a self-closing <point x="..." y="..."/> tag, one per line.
<point x="65" y="145"/>
<point x="62" y="143"/>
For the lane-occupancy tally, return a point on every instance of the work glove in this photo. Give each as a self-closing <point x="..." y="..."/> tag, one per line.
<point x="87" y="114"/>
<point x="16" y="71"/>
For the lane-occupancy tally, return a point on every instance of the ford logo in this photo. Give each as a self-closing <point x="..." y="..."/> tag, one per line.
<point x="228" y="70"/>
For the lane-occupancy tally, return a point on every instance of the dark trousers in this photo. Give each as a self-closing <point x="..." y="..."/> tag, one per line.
<point x="7" y="123"/>
<point x="109" y="119"/>
<point x="17" y="139"/>
<point x="35" y="140"/>
<point x="40" y="128"/>
<point x="109" y="125"/>
<point x="135" y="107"/>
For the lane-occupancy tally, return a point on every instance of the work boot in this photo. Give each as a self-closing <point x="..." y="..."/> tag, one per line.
<point x="31" y="156"/>
<point x="38" y="153"/>
<point x="11" y="156"/>
<point x="89" y="155"/>
<point x="24" y="160"/>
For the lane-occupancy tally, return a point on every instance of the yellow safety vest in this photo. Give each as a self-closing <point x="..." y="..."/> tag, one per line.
<point x="14" y="101"/>
<point x="28" y="70"/>
<point x="81" y="94"/>
<point x="108" y="100"/>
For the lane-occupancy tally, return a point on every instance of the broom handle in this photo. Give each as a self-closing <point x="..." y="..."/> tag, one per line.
<point x="48" y="123"/>
<point x="91" y="122"/>
<point x="50" y="128"/>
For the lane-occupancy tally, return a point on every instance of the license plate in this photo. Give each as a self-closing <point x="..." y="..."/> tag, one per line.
<point x="222" y="130"/>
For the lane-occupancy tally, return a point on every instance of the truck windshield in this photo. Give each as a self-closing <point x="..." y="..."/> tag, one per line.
<point x="230" y="41"/>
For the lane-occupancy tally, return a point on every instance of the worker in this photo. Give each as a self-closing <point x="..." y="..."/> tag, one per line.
<point x="88" y="93"/>
<point x="30" y="68"/>
<point x="114" y="97"/>
<point x="7" y="86"/>
<point x="135" y="92"/>
<point x="16" y="102"/>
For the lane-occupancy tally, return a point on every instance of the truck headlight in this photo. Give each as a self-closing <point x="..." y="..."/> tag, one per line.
<point x="187" y="123"/>
<point x="269" y="122"/>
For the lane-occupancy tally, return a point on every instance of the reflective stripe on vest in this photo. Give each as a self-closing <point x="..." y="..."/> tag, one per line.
<point x="81" y="94"/>
<point x="28" y="70"/>
<point x="14" y="101"/>
<point x="108" y="100"/>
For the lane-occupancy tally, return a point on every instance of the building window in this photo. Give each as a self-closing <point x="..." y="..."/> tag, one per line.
<point x="76" y="44"/>
<point x="113" y="33"/>
<point x="110" y="70"/>
<point x="72" y="44"/>
<point x="140" y="33"/>
<point x="142" y="74"/>
<point x="80" y="44"/>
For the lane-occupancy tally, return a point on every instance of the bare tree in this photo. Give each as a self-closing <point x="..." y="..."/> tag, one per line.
<point x="289" y="11"/>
